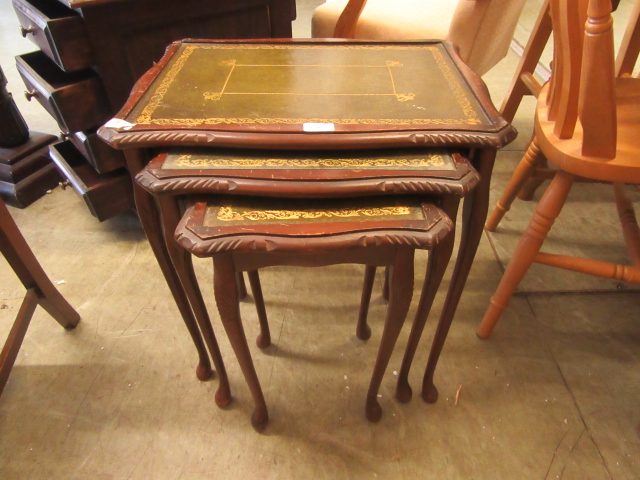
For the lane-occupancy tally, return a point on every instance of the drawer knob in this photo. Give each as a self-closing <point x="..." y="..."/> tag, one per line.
<point x="26" y="31"/>
<point x="29" y="95"/>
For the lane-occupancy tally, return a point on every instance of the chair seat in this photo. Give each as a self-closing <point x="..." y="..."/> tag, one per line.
<point x="384" y="19"/>
<point x="625" y="167"/>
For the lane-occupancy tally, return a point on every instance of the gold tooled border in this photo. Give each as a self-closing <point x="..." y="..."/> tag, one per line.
<point x="145" y="117"/>
<point x="196" y="161"/>
<point x="229" y="214"/>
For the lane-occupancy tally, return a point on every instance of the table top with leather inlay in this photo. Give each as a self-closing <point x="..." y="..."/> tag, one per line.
<point x="236" y="223"/>
<point x="249" y="93"/>
<point x="309" y="173"/>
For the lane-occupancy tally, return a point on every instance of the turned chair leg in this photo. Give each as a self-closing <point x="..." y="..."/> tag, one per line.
<point x="629" y="222"/>
<point x="531" y="159"/>
<point x="227" y="299"/>
<point x="528" y="247"/>
<point x="530" y="187"/>
<point x="400" y="293"/>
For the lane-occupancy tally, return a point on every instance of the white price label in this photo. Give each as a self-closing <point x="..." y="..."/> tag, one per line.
<point x="119" y="123"/>
<point x="318" y="127"/>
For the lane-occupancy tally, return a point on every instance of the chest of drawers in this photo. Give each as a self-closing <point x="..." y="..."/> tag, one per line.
<point x="91" y="52"/>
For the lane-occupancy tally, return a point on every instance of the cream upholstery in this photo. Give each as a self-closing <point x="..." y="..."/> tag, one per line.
<point x="482" y="29"/>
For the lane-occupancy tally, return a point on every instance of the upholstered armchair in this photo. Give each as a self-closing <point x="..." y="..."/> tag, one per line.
<point x="481" y="29"/>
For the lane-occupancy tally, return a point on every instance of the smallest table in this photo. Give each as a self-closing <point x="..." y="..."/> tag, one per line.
<point x="245" y="234"/>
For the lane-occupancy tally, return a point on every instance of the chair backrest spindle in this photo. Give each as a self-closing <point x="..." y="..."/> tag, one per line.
<point x="597" y="93"/>
<point x="583" y="81"/>
<point x="568" y="38"/>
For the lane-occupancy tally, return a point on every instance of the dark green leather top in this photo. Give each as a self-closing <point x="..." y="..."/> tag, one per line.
<point x="344" y="84"/>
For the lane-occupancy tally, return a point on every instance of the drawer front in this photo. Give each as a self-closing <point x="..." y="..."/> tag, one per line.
<point x="77" y="100"/>
<point x="106" y="195"/>
<point x="58" y="30"/>
<point x="101" y="156"/>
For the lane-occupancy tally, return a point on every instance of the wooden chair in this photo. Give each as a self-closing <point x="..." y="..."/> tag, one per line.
<point x="587" y="124"/>
<point x="248" y="233"/>
<point x="481" y="29"/>
<point x="523" y="82"/>
<point x="40" y="291"/>
<point x="534" y="169"/>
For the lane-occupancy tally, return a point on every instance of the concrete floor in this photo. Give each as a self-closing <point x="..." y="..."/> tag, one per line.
<point x="553" y="394"/>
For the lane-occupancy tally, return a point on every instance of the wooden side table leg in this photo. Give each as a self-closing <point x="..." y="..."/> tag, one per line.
<point x="437" y="264"/>
<point x="183" y="264"/>
<point x="264" y="338"/>
<point x="401" y="291"/>
<point x="226" y="293"/>
<point x="385" y="285"/>
<point x="474" y="214"/>
<point x="363" y="330"/>
<point x="242" y="287"/>
<point x="26" y="266"/>
<point x="16" y="336"/>
<point x="429" y="390"/>
<point x="152" y="226"/>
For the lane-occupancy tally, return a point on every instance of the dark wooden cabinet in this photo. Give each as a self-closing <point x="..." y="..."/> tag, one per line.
<point x="93" y="51"/>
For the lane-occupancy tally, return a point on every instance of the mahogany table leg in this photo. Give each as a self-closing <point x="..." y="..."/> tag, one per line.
<point x="264" y="338"/>
<point x="40" y="290"/>
<point x="437" y="264"/>
<point x="401" y="291"/>
<point x="16" y="336"/>
<point x="242" y="287"/>
<point x="226" y="294"/>
<point x="363" y="330"/>
<point x="474" y="214"/>
<point x="183" y="264"/>
<point x="152" y="226"/>
<point x="26" y="266"/>
<point x="385" y="285"/>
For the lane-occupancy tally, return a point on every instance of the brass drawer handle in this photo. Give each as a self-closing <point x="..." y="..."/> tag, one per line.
<point x="29" y="95"/>
<point x="26" y="31"/>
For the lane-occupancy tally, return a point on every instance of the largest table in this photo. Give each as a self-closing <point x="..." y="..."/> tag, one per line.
<point x="310" y="95"/>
